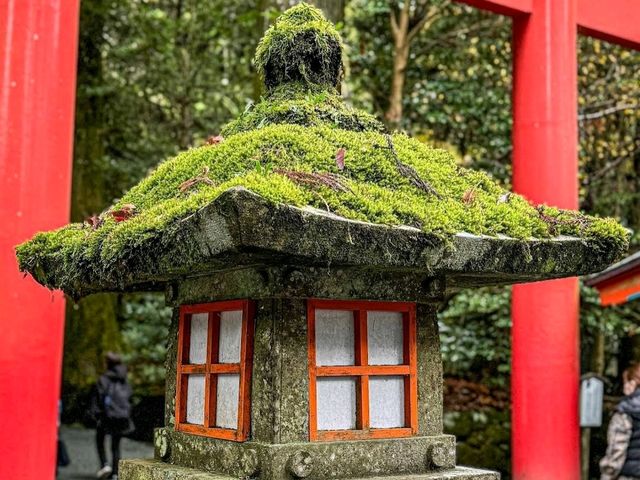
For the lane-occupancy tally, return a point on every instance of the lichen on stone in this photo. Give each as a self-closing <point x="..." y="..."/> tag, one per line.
<point x="303" y="146"/>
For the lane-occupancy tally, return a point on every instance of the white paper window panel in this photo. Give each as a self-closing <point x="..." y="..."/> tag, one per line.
<point x="227" y="401"/>
<point x="336" y="403"/>
<point x="385" y="336"/>
<point x="335" y="341"/>
<point x="230" y="335"/>
<point x="195" y="399"/>
<point x="198" y="338"/>
<point x="386" y="402"/>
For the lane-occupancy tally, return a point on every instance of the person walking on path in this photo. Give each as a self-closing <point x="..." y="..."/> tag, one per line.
<point x="622" y="460"/>
<point x="111" y="408"/>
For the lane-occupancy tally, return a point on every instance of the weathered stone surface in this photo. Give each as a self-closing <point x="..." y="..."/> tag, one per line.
<point x="331" y="460"/>
<point x="240" y="228"/>
<point x="429" y="372"/>
<point x="459" y="473"/>
<point x="156" y="470"/>
<point x="280" y="400"/>
<point x="289" y="281"/>
<point x="171" y="371"/>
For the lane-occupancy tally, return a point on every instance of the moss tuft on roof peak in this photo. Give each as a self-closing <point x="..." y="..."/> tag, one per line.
<point x="301" y="46"/>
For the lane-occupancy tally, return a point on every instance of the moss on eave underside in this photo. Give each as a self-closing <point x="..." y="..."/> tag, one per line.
<point x="297" y="165"/>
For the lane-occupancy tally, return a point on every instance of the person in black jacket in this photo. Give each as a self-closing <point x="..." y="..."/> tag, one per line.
<point x="622" y="460"/>
<point x="111" y="408"/>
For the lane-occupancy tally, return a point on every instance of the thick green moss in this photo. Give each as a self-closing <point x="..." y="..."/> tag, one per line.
<point x="303" y="105"/>
<point x="301" y="46"/>
<point x="276" y="162"/>
<point x="302" y="146"/>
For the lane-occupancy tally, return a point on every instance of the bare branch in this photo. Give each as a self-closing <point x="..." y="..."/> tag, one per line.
<point x="427" y="19"/>
<point x="608" y="111"/>
<point x="394" y="23"/>
<point x="604" y="170"/>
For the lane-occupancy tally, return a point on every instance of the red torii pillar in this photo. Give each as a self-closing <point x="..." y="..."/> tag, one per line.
<point x="545" y="332"/>
<point x="38" y="48"/>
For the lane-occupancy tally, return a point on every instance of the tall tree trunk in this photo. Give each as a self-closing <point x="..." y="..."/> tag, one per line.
<point x="398" y="75"/>
<point x="405" y="25"/>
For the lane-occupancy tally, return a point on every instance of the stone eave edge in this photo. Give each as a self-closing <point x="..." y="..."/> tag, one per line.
<point x="242" y="228"/>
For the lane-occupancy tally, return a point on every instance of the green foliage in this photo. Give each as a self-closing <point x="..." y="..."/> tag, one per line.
<point x="609" y="93"/>
<point x="145" y="321"/>
<point x="156" y="78"/>
<point x="301" y="46"/>
<point x="482" y="438"/>
<point x="475" y="334"/>
<point x="458" y="81"/>
<point x="475" y="331"/>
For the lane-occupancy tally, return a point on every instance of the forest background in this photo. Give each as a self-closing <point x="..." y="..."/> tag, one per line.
<point x="159" y="76"/>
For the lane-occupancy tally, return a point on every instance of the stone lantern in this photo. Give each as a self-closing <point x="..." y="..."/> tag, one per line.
<point x="305" y="252"/>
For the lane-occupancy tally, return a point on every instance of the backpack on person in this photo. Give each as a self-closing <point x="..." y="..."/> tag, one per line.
<point x="116" y="400"/>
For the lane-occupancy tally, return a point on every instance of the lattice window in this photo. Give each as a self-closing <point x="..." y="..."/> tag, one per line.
<point x="215" y="350"/>
<point x="362" y="369"/>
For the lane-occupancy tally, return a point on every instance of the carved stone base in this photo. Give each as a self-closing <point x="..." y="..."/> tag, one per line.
<point x="157" y="470"/>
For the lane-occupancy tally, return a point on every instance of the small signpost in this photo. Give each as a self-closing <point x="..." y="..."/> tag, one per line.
<point x="591" y="400"/>
<point x="591" y="403"/>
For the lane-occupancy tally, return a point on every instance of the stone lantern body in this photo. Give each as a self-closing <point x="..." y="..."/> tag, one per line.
<point x="305" y="253"/>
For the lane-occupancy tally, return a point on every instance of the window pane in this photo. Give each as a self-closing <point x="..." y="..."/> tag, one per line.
<point x="385" y="335"/>
<point x="195" y="399"/>
<point x="386" y="402"/>
<point x="227" y="397"/>
<point x="336" y="401"/>
<point x="230" y="333"/>
<point x="334" y="337"/>
<point x="198" y="338"/>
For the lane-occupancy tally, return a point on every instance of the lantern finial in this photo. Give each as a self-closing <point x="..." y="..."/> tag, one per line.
<point x="301" y="47"/>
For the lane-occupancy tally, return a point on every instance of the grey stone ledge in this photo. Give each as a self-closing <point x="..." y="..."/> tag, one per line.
<point x="143" y="469"/>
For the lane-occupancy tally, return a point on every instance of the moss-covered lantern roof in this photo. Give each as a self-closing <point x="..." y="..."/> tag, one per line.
<point x="303" y="178"/>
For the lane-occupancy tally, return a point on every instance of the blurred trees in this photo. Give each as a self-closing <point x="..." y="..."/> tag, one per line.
<point x="158" y="76"/>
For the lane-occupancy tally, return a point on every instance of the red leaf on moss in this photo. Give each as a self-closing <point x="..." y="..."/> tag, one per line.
<point x="124" y="213"/>
<point x="340" y="158"/>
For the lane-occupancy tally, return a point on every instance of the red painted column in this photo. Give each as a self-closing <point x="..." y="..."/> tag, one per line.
<point x="545" y="314"/>
<point x="38" y="44"/>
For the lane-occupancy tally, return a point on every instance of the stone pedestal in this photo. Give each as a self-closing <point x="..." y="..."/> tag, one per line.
<point x="157" y="470"/>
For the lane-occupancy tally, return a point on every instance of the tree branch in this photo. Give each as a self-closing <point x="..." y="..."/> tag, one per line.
<point x="432" y="14"/>
<point x="394" y="23"/>
<point x="608" y="111"/>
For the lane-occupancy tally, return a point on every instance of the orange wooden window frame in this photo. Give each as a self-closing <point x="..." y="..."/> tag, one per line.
<point x="362" y="370"/>
<point x="211" y="369"/>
